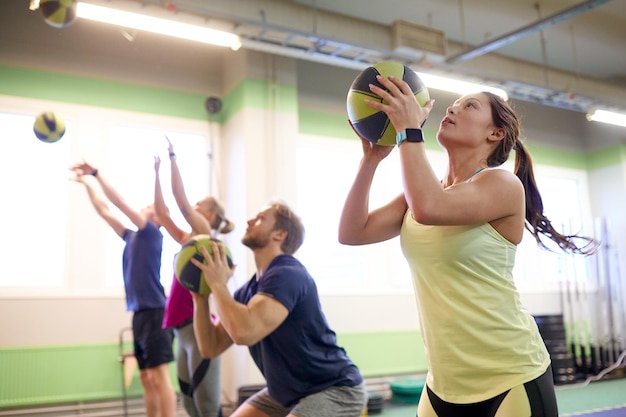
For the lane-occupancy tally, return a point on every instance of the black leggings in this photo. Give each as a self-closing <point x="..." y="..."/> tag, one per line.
<point x="533" y="399"/>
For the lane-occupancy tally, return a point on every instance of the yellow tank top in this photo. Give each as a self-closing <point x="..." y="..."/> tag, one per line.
<point x="479" y="339"/>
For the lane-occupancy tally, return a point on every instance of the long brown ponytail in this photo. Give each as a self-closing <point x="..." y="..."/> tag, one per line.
<point x="536" y="222"/>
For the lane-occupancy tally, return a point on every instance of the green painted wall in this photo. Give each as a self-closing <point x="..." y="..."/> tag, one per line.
<point x="385" y="353"/>
<point x="249" y="93"/>
<point x="42" y="375"/>
<point x="43" y="85"/>
<point x="38" y="375"/>
<point x="336" y="125"/>
<point x="258" y="94"/>
<point x="607" y="157"/>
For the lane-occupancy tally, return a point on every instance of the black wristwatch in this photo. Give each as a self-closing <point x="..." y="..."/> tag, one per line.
<point x="409" y="135"/>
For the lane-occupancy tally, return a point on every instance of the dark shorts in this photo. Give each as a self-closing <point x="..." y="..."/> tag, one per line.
<point x="152" y="343"/>
<point x="535" y="398"/>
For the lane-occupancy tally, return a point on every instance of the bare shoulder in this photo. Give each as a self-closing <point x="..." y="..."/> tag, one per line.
<point x="501" y="178"/>
<point x="505" y="195"/>
<point x="500" y="173"/>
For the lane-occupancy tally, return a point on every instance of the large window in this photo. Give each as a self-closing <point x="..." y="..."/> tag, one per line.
<point x="565" y="204"/>
<point x="325" y="171"/>
<point x="33" y="211"/>
<point x="53" y="241"/>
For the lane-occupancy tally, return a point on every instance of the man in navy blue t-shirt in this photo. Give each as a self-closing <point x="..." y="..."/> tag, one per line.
<point x="278" y="315"/>
<point x="145" y="297"/>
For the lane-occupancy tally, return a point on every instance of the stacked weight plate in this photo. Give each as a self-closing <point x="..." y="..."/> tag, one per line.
<point x="375" y="403"/>
<point x="552" y="331"/>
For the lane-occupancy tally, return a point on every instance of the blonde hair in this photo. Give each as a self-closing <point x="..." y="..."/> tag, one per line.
<point x="220" y="223"/>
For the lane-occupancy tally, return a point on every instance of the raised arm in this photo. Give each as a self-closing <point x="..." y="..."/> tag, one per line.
<point x="494" y="195"/>
<point x="161" y="210"/>
<point x="197" y="221"/>
<point x="359" y="226"/>
<point x="99" y="203"/>
<point x="135" y="216"/>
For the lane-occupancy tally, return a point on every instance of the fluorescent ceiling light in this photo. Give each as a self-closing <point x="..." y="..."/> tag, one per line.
<point x="606" y="116"/>
<point x="459" y="87"/>
<point x="157" y="25"/>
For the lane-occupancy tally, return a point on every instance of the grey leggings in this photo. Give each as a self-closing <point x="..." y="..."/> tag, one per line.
<point x="198" y="378"/>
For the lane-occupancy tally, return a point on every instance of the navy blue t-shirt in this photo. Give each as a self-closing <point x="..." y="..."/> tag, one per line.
<point x="141" y="263"/>
<point x="301" y="357"/>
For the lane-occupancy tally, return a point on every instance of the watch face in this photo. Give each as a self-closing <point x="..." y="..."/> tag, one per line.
<point x="409" y="135"/>
<point x="414" y="135"/>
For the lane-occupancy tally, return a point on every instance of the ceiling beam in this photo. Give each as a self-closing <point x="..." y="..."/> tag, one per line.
<point x="526" y="30"/>
<point x="282" y="27"/>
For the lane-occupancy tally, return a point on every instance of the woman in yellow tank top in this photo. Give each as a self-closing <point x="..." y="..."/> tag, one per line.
<point x="485" y="354"/>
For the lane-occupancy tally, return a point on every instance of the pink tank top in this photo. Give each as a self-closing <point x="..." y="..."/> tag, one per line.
<point x="178" y="307"/>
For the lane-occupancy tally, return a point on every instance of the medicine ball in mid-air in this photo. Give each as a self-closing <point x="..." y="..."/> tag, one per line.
<point x="368" y="122"/>
<point x="49" y="127"/>
<point x="58" y="13"/>
<point x="187" y="273"/>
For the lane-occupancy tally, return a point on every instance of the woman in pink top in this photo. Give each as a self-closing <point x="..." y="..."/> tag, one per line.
<point x="199" y="378"/>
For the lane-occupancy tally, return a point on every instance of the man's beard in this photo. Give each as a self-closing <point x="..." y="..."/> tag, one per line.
<point x="255" y="242"/>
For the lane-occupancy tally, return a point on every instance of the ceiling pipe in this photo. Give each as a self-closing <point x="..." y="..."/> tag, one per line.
<point x="526" y="30"/>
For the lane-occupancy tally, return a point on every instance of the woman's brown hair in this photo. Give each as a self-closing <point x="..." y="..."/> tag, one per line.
<point x="537" y="223"/>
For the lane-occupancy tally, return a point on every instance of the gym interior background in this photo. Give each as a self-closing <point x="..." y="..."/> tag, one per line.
<point x="282" y="131"/>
